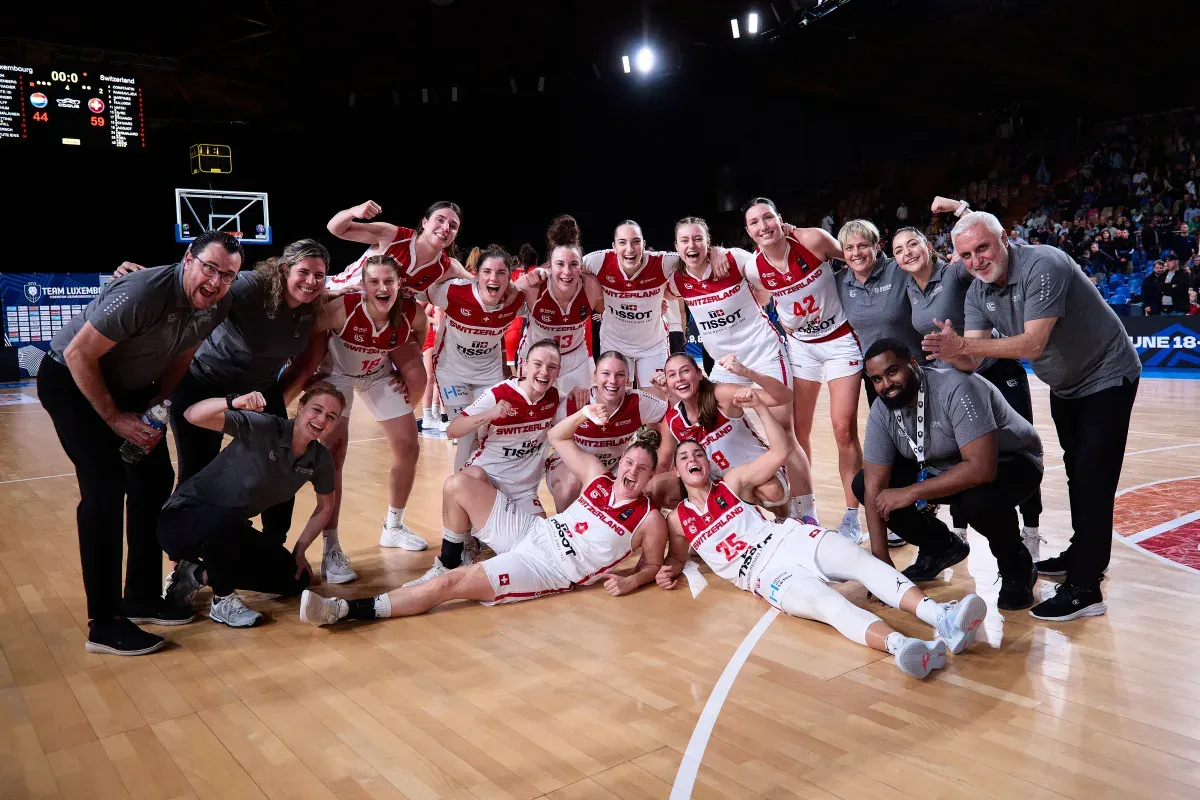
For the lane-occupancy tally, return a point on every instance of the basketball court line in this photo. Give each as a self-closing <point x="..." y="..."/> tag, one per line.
<point x="1125" y="540"/>
<point x="685" y="777"/>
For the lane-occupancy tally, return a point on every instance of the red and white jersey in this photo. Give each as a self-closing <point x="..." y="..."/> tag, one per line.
<point x="566" y="324"/>
<point x="727" y="315"/>
<point x="633" y="307"/>
<point x="359" y="349"/>
<point x="512" y="450"/>
<point x="594" y="535"/>
<point x="470" y="341"/>
<point x="731" y="535"/>
<point x="730" y="443"/>
<point x="805" y="292"/>
<point x="414" y="277"/>
<point x="607" y="442"/>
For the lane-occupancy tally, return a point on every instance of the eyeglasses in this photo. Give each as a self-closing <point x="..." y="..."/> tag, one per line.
<point x="212" y="271"/>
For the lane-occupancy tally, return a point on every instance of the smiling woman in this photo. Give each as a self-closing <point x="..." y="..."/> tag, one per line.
<point x="205" y="525"/>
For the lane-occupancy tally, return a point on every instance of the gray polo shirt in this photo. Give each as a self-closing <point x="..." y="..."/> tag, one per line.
<point x="944" y="298"/>
<point x="246" y="352"/>
<point x="149" y="317"/>
<point x="960" y="407"/>
<point x="257" y="469"/>
<point x="1088" y="349"/>
<point x="878" y="308"/>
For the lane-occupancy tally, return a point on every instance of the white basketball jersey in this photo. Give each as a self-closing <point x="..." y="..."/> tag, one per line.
<point x="594" y="535"/>
<point x="607" y="442"/>
<point x="469" y="344"/>
<point x="805" y="292"/>
<point x="360" y="349"/>
<point x="731" y="535"/>
<point x="633" y="307"/>
<point x="728" y="444"/>
<point x="567" y="324"/>
<point x="727" y="315"/>
<point x="512" y="450"/>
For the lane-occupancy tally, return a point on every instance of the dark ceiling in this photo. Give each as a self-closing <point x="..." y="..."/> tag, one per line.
<point x="262" y="60"/>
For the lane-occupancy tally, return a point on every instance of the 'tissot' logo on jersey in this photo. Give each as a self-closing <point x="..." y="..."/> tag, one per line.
<point x="630" y="313"/>
<point x="718" y="319"/>
<point x="564" y="537"/>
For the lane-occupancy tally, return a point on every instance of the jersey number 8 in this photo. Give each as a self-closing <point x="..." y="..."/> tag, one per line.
<point x="720" y="460"/>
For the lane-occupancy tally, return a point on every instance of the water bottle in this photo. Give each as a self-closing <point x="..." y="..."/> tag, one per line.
<point x="155" y="418"/>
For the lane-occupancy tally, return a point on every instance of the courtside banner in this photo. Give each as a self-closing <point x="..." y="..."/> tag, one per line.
<point x="1167" y="342"/>
<point x="35" y="305"/>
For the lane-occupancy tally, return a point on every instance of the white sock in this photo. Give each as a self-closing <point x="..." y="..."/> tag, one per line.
<point x="455" y="538"/>
<point x="805" y="505"/>
<point x="331" y="537"/>
<point x="851" y="515"/>
<point x="395" y="517"/>
<point x="893" y="641"/>
<point x="383" y="606"/>
<point x="961" y="533"/>
<point x="1030" y="533"/>
<point x="927" y="611"/>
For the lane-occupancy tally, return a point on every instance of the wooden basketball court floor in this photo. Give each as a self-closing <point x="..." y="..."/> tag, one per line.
<point x="588" y="696"/>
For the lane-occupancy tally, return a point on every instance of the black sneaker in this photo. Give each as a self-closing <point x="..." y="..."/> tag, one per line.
<point x="1017" y="592"/>
<point x="929" y="564"/>
<point x="120" y="637"/>
<point x="158" y="612"/>
<point x="1054" y="567"/>
<point x="1070" y="602"/>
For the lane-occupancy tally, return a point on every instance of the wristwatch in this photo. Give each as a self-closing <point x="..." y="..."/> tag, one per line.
<point x="229" y="398"/>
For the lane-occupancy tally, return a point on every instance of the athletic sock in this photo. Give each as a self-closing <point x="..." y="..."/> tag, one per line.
<point x="927" y="611"/>
<point x="383" y="606"/>
<point x="395" y="517"/>
<point x="961" y="533"/>
<point x="1030" y="531"/>
<point x="805" y="505"/>
<point x="330" y="535"/>
<point x="893" y="641"/>
<point x="452" y="548"/>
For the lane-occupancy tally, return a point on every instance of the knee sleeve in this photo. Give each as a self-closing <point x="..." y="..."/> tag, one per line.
<point x="812" y="598"/>
<point x="837" y="558"/>
<point x="859" y="487"/>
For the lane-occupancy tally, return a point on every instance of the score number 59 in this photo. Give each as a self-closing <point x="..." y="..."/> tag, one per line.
<point x="43" y="116"/>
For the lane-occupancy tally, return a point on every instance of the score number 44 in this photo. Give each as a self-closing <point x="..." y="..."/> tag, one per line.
<point x="42" y="116"/>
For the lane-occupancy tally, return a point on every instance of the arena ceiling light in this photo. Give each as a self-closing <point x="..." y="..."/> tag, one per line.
<point x="752" y="23"/>
<point x="625" y="64"/>
<point x="645" y="60"/>
<point x="734" y="25"/>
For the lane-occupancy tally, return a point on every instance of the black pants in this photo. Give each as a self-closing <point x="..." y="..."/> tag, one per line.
<point x="106" y="484"/>
<point x="234" y="553"/>
<point x="1092" y="431"/>
<point x="990" y="508"/>
<point x="1009" y="377"/>
<point x="198" y="446"/>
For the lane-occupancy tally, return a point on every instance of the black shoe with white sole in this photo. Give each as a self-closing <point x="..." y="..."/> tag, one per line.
<point x="930" y="564"/>
<point x="1070" y="602"/>
<point x="894" y="540"/>
<point x="120" y="637"/>
<point x="1053" y="567"/>
<point x="158" y="612"/>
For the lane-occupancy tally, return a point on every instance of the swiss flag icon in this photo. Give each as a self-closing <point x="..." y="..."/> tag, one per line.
<point x="504" y="579"/>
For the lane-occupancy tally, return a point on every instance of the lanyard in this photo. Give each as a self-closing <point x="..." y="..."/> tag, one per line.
<point x="918" y="447"/>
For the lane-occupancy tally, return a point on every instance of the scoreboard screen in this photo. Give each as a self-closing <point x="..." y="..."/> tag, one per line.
<point x="90" y="108"/>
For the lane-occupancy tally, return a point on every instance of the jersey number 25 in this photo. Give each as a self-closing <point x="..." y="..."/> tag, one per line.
<point x="731" y="546"/>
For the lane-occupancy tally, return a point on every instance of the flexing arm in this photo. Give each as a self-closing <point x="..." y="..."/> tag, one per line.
<point x="210" y="413"/>
<point x="773" y="392"/>
<point x="745" y="478"/>
<point x="585" y="465"/>
<point x="466" y="424"/>
<point x="652" y="539"/>
<point x="677" y="554"/>
<point x="377" y="235"/>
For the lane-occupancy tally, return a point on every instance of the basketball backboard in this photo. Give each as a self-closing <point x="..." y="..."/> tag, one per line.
<point x="243" y="215"/>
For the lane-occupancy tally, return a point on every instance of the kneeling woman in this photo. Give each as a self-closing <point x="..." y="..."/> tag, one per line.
<point x="789" y="564"/>
<point x="205" y="526"/>
<point x="535" y="556"/>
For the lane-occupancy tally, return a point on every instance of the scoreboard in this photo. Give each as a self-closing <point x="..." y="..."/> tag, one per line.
<point x="90" y="108"/>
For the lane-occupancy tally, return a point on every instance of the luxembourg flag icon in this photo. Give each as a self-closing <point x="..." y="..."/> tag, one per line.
<point x="96" y="105"/>
<point x="38" y="100"/>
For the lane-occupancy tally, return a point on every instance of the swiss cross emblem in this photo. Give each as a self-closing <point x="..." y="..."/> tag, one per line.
<point x="487" y="318"/>
<point x="581" y="527"/>
<point x="504" y="580"/>
<point x="708" y="518"/>
<point x="531" y="413"/>
<point x="717" y="313"/>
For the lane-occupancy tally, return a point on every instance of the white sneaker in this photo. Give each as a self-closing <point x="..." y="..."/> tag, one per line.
<point x="434" y="571"/>
<point x="959" y="621"/>
<point x="894" y="540"/>
<point x="1033" y="543"/>
<point x="231" y="611"/>
<point x="335" y="567"/>
<point x="852" y="530"/>
<point x="402" y="537"/>
<point x="918" y="658"/>
<point x="317" y="610"/>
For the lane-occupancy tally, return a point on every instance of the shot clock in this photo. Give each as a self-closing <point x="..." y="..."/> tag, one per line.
<point x="90" y="108"/>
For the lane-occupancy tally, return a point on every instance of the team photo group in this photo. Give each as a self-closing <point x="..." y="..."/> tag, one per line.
<point x="647" y="453"/>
